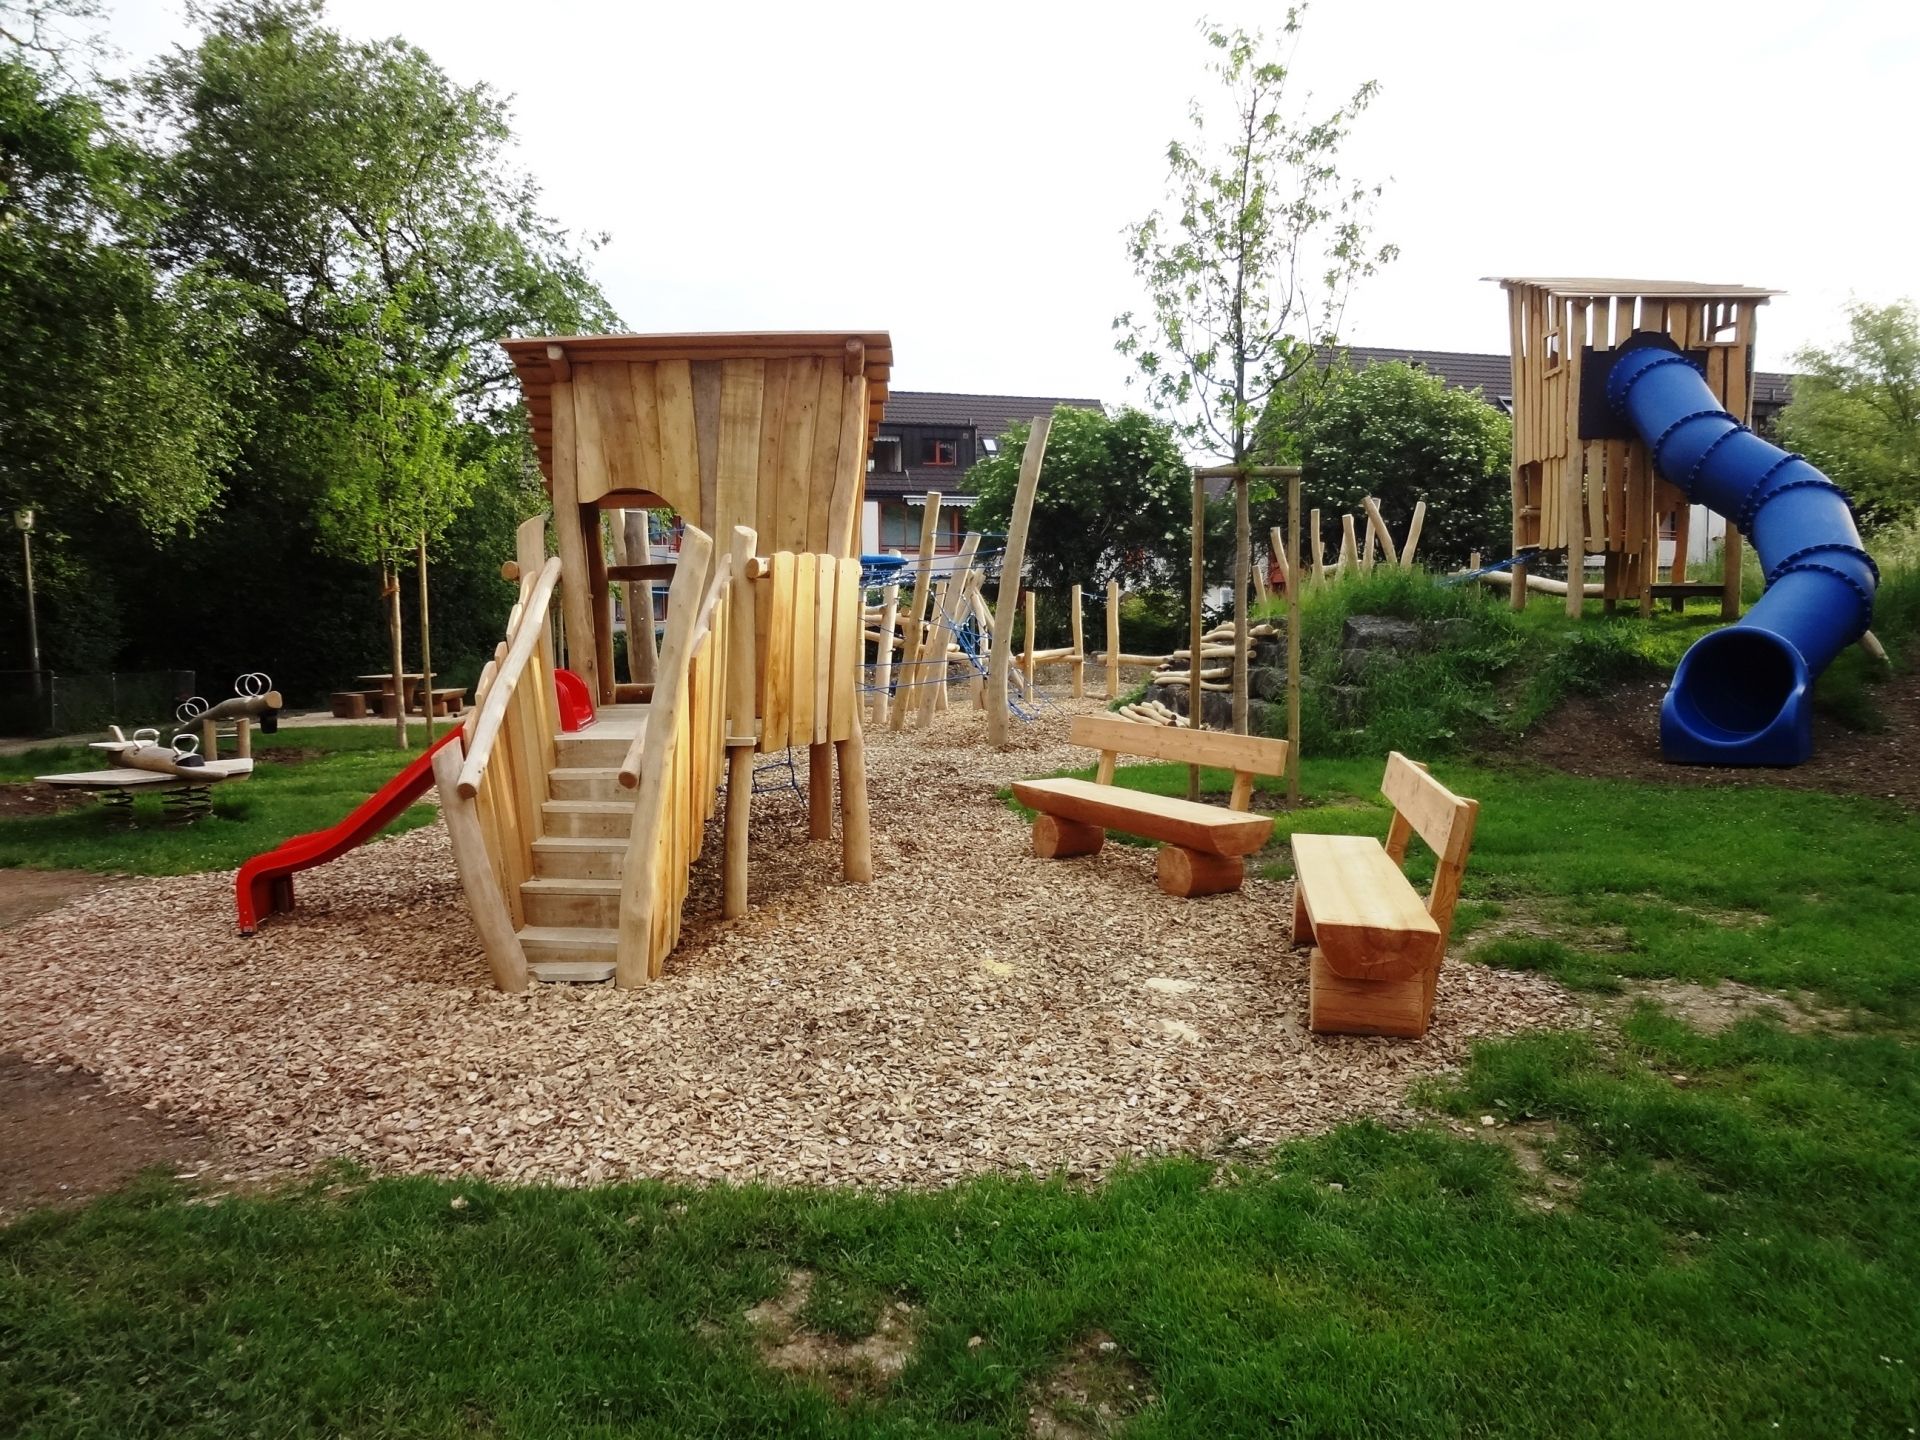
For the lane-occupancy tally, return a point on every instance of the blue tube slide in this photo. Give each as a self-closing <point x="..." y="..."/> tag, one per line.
<point x="1741" y="695"/>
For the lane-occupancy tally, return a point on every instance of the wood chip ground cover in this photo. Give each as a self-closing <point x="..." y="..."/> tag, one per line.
<point x="973" y="1009"/>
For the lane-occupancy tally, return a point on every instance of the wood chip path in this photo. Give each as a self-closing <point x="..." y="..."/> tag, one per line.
<point x="973" y="1009"/>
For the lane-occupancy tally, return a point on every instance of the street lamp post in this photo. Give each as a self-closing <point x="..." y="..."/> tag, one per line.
<point x="23" y="522"/>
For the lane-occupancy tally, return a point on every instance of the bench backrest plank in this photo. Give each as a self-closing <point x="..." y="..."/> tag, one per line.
<point x="1445" y="821"/>
<point x="1245" y="755"/>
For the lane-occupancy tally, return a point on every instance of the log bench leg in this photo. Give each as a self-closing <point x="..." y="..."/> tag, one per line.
<point x="1302" y="921"/>
<point x="1055" y="839"/>
<point x="1188" y="873"/>
<point x="1337" y="1005"/>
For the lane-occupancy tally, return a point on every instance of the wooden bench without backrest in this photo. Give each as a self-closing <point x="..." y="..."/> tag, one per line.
<point x="1377" y="946"/>
<point x="1204" y="848"/>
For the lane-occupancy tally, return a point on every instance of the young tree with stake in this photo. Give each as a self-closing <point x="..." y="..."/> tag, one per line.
<point x="1249" y="265"/>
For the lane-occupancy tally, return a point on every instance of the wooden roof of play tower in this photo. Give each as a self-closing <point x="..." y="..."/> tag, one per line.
<point x="722" y="428"/>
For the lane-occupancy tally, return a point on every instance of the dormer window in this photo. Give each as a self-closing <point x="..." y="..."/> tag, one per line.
<point x="935" y="451"/>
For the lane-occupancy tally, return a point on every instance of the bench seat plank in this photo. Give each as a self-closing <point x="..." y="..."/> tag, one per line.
<point x="1206" y="828"/>
<point x="1365" y="916"/>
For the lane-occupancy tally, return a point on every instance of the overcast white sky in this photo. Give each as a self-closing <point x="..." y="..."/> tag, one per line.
<point x="960" y="173"/>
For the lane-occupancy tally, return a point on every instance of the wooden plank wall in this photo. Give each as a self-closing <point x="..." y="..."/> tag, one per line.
<point x="513" y="787"/>
<point x="807" y="650"/>
<point x="1622" y="502"/>
<point x="776" y="444"/>
<point x="690" y="774"/>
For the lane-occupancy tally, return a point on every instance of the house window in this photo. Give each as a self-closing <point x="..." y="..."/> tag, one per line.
<point x="885" y="459"/>
<point x="938" y="452"/>
<point x="900" y="527"/>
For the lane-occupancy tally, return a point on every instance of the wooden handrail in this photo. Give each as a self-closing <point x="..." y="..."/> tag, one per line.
<point x="695" y="635"/>
<point x="493" y="712"/>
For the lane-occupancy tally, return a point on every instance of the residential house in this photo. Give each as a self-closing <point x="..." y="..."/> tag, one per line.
<point x="927" y="442"/>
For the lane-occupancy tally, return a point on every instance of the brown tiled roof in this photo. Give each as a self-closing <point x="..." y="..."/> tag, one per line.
<point x="989" y="414"/>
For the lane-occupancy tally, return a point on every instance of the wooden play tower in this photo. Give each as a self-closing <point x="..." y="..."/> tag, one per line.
<point x="575" y="846"/>
<point x="1600" y="497"/>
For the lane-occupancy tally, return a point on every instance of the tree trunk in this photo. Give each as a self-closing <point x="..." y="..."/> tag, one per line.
<point x="390" y="589"/>
<point x="426" y="644"/>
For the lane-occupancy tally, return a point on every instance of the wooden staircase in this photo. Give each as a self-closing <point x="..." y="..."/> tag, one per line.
<point x="571" y="904"/>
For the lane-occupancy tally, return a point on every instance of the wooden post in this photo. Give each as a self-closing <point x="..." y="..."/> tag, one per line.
<point x="1243" y="620"/>
<point x="944" y="620"/>
<point x="1079" y="650"/>
<point x="1682" y="537"/>
<point x="576" y="584"/>
<point x="1319" y="547"/>
<point x="594" y="537"/>
<point x="1572" y="502"/>
<point x="390" y="591"/>
<point x="1026" y="686"/>
<point x="911" y="635"/>
<point x="1377" y="530"/>
<point x="856" y="835"/>
<point x="210" y="739"/>
<point x="1418" y="523"/>
<point x="1113" y="640"/>
<point x="1730" y="576"/>
<point x="639" y="538"/>
<point x="1293" y="640"/>
<point x="485" y="899"/>
<point x="530" y="552"/>
<point x="819" y="792"/>
<point x="883" y="652"/>
<point x="243" y="729"/>
<point x="1010" y="563"/>
<point x="741" y="722"/>
<point x="426" y="643"/>
<point x="1196" y="589"/>
<point x="1349" y="547"/>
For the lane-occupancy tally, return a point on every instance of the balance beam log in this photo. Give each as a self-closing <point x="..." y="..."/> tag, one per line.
<point x="1187" y="873"/>
<point x="1056" y="839"/>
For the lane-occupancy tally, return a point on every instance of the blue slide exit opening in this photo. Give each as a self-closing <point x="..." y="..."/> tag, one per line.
<point x="1742" y="695"/>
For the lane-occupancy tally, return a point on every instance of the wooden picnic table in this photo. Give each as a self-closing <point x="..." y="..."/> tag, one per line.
<point x="412" y="680"/>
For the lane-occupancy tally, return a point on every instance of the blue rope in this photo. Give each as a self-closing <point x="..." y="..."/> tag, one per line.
<point x="1526" y="554"/>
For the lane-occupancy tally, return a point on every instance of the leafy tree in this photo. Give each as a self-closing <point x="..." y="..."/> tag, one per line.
<point x="383" y="427"/>
<point x="320" y="175"/>
<point x="1112" y="503"/>
<point x="1251" y="261"/>
<point x="116" y="381"/>
<point x="1856" y="410"/>
<point x="1400" y="434"/>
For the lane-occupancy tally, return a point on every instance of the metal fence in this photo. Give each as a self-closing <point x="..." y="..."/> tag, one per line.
<point x="51" y="702"/>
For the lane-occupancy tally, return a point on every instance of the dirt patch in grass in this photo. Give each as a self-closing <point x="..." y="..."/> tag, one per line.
<point x="844" y="1366"/>
<point x="287" y="754"/>
<point x="27" y="893"/>
<point x="1529" y="1142"/>
<point x="32" y="800"/>
<point x="1617" y="736"/>
<point x="1530" y="922"/>
<point x="1713" y="1008"/>
<point x="64" y="1138"/>
<point x="1090" y="1394"/>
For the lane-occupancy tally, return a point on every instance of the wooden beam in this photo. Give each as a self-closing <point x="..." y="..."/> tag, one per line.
<point x="1243" y="629"/>
<point x="1001" y="656"/>
<point x="486" y="898"/>
<point x="1196" y="589"/>
<point x="1113" y="640"/>
<point x="917" y="606"/>
<point x="1293" y="641"/>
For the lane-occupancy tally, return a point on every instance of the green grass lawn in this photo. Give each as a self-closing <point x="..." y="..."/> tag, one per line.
<point x="303" y="779"/>
<point x="1724" y="1237"/>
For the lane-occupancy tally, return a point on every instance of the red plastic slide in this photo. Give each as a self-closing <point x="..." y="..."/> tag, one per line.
<point x="264" y="885"/>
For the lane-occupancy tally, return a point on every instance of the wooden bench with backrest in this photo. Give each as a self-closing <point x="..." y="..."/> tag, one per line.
<point x="1204" y="848"/>
<point x="1377" y="945"/>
